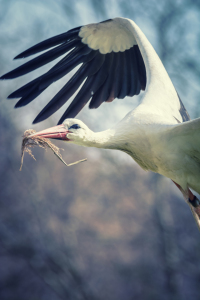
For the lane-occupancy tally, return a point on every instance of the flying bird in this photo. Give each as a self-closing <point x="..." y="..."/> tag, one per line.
<point x="116" y="60"/>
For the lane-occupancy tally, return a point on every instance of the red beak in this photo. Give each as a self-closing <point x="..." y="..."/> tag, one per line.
<point x="57" y="132"/>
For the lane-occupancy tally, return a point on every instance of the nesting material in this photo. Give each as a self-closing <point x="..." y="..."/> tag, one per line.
<point x="32" y="141"/>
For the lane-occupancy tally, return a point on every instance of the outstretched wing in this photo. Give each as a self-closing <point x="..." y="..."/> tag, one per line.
<point x="111" y="65"/>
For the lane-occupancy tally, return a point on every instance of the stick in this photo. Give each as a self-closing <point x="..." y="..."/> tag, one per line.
<point x="29" y="141"/>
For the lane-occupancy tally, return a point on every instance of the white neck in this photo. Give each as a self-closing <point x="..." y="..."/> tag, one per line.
<point x="104" y="139"/>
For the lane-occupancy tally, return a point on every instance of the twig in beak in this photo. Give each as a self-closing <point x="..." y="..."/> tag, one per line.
<point x="32" y="141"/>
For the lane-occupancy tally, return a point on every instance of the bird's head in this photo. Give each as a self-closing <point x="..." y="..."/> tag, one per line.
<point x="77" y="132"/>
<point x="72" y="130"/>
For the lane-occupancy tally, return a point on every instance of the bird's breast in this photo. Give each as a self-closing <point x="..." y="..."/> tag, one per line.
<point x="138" y="145"/>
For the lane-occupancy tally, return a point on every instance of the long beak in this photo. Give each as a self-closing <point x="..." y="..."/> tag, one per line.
<point x="57" y="132"/>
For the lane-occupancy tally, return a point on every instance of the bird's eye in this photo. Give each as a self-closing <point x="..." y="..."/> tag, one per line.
<point x="74" y="126"/>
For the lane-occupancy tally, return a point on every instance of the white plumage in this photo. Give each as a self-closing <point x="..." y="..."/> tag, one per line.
<point x="108" y="36"/>
<point x="118" y="60"/>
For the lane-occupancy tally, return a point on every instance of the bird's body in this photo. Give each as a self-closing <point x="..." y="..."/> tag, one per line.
<point x="118" y="61"/>
<point x="161" y="148"/>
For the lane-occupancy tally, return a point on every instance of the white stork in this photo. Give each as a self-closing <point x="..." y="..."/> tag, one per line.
<point x="117" y="60"/>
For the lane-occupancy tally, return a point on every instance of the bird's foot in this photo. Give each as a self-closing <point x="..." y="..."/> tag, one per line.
<point x="195" y="202"/>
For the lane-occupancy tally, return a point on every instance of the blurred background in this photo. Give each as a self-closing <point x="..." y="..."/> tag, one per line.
<point x="103" y="229"/>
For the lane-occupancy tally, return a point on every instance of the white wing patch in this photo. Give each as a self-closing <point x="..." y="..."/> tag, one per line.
<point x="113" y="35"/>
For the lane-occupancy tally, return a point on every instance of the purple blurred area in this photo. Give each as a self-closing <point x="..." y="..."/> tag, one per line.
<point x="103" y="229"/>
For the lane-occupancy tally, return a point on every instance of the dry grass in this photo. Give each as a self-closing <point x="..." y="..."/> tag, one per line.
<point x="32" y="141"/>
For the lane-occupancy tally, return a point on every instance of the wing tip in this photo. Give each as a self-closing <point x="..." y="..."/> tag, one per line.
<point x="18" y="104"/>
<point x="37" y="120"/>
<point x="3" y="77"/>
<point x="8" y="75"/>
<point x="41" y="117"/>
<point x="19" y="56"/>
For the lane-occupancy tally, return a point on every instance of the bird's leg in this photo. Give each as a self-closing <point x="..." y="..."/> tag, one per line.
<point x="191" y="199"/>
<point x="193" y="202"/>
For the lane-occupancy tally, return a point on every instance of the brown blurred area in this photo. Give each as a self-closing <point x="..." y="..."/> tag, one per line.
<point x="103" y="229"/>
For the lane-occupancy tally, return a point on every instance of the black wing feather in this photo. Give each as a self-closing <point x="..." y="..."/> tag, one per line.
<point x="103" y="92"/>
<point x="136" y="81"/>
<point x="29" y="96"/>
<point x="91" y="85"/>
<point x="128" y="72"/>
<point x="124" y="80"/>
<point x="141" y="67"/>
<point x="38" y="85"/>
<point x="73" y="84"/>
<point x="133" y="72"/>
<point x="41" y="60"/>
<point x="51" y="42"/>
